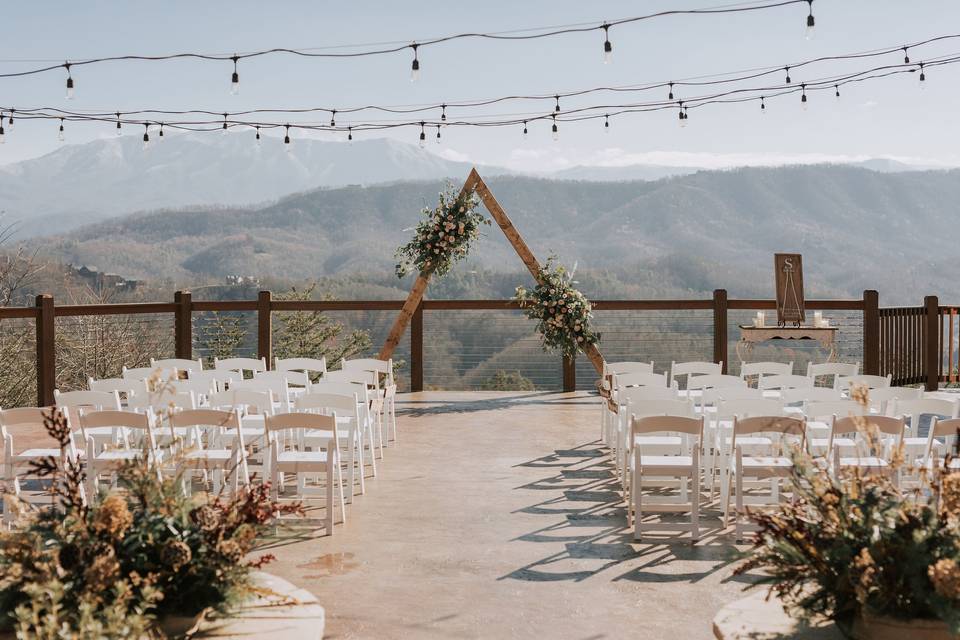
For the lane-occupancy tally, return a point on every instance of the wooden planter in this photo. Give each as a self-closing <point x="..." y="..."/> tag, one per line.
<point x="872" y="627"/>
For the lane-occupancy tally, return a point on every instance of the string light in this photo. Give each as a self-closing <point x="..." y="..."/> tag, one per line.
<point x="160" y="135"/>
<point x="415" y="65"/>
<point x="803" y="96"/>
<point x="286" y="138"/>
<point x="118" y="124"/>
<point x="607" y="47"/>
<point x="258" y="136"/>
<point x="836" y="89"/>
<point x="763" y="106"/>
<point x="681" y="116"/>
<point x="423" y="136"/>
<point x="235" y="78"/>
<point x="146" y="136"/>
<point x="443" y="112"/>
<point x="349" y="134"/>
<point x="556" y="109"/>
<point x="60" y="134"/>
<point x="525" y="136"/>
<point x="438" y="134"/>
<point x="787" y="69"/>
<point x="670" y="96"/>
<point x="923" y="76"/>
<point x="556" y="132"/>
<point x="810" y="21"/>
<point x="225" y="123"/>
<point x="906" y="56"/>
<point x="66" y="65"/>
<point x="333" y="115"/>
<point x="10" y="120"/>
<point x="686" y="116"/>
<point x="3" y="138"/>
<point x="606" y="123"/>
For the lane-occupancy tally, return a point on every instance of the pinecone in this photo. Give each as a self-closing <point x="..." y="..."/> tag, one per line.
<point x="103" y="572"/>
<point x="205" y="517"/>
<point x="175" y="554"/>
<point x="231" y="550"/>
<point x="113" y="517"/>
<point x="69" y="557"/>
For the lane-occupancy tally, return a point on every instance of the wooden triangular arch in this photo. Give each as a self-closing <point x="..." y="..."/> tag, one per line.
<point x="476" y="184"/>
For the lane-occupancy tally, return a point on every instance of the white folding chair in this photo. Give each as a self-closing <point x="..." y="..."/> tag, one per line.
<point x="760" y="369"/>
<point x="881" y="400"/>
<point x="688" y="370"/>
<point x="27" y="423"/>
<point x="241" y="365"/>
<point x="326" y="460"/>
<point x="219" y="379"/>
<point x="719" y="434"/>
<point x="763" y="463"/>
<point x="941" y="439"/>
<point x="915" y="442"/>
<point x="388" y="390"/>
<point x="126" y="387"/>
<point x="605" y="390"/>
<point x="147" y="373"/>
<point x="201" y="389"/>
<point x="77" y="402"/>
<point x="836" y="370"/>
<point x="820" y="419"/>
<point x="275" y="385"/>
<point x="217" y="458"/>
<point x="665" y="444"/>
<point x="314" y="367"/>
<point x="870" y="382"/>
<point x="369" y="406"/>
<point x="780" y="383"/>
<point x="866" y="460"/>
<point x="143" y="444"/>
<point x="684" y="467"/>
<point x="253" y="406"/>
<point x="353" y="431"/>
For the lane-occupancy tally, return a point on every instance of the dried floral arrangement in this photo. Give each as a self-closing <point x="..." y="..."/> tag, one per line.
<point x="562" y="313"/>
<point x="855" y="546"/>
<point x="443" y="236"/>
<point x="118" y="566"/>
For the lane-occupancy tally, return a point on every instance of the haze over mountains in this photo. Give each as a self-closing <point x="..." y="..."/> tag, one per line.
<point x="857" y="229"/>
<point x="81" y="184"/>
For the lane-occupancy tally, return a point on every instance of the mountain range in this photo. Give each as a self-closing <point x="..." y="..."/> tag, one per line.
<point x="684" y="235"/>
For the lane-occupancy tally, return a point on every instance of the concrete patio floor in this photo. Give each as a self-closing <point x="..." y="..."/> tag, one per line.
<point x="497" y="517"/>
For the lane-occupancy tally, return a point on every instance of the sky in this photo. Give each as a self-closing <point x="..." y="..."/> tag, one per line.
<point x="885" y="118"/>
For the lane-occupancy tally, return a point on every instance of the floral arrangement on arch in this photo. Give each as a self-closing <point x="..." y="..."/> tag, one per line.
<point x="443" y="236"/>
<point x="562" y="313"/>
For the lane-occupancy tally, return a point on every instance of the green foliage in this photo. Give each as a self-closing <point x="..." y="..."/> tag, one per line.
<point x="221" y="335"/>
<point x="443" y="236"/>
<point x="312" y="334"/>
<point x="858" y="544"/>
<point x="507" y="381"/>
<point x="562" y="313"/>
<point x="113" y="568"/>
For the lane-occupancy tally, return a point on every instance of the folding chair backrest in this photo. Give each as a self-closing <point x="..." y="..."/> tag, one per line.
<point x="179" y="364"/>
<point x="278" y="423"/>
<point x="828" y="408"/>
<point x="713" y="395"/>
<point x="810" y="394"/>
<point x="141" y="423"/>
<point x="201" y="388"/>
<point x="835" y="369"/>
<point x="639" y="379"/>
<point x="126" y="386"/>
<point x="617" y="368"/>
<point x="881" y="399"/>
<point x="275" y="386"/>
<point x="769" y="424"/>
<point x="76" y="403"/>
<point x="28" y="423"/>
<point x="714" y="381"/>
<point x="240" y="365"/>
<point x="916" y="409"/>
<point x="298" y="378"/>
<point x="341" y="403"/>
<point x="749" y="407"/>
<point x="220" y="418"/>
<point x="679" y="408"/>
<point x="948" y="430"/>
<point x="146" y="373"/>
<point x="670" y="424"/>
<point x="871" y="382"/>
<point x="634" y="395"/>
<point x="221" y="379"/>
<point x="164" y="401"/>
<point x="316" y="365"/>
<point x="760" y="369"/>
<point x="249" y="400"/>
<point x="367" y="364"/>
<point x="884" y="424"/>
<point x="785" y="382"/>
<point x="365" y="377"/>
<point x="692" y="369"/>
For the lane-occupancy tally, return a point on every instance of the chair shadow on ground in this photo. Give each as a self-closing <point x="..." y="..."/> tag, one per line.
<point x="589" y="523"/>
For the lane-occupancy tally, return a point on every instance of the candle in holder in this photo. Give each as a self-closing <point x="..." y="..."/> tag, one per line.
<point x="818" y="318"/>
<point x="758" y="321"/>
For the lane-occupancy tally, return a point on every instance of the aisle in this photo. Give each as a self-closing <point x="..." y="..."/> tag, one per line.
<point x="496" y="518"/>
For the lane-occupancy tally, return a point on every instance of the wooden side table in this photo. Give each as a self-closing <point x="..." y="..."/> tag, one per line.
<point x="751" y="335"/>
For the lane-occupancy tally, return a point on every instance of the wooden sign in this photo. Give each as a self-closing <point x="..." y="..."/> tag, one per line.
<point x="788" y="276"/>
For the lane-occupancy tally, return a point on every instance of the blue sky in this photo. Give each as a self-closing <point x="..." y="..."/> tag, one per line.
<point x="884" y="118"/>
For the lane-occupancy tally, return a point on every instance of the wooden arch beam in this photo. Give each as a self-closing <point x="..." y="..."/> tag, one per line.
<point x="475" y="183"/>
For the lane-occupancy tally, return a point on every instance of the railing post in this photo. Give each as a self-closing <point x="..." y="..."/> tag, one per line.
<point x="264" y="328"/>
<point x="46" y="350"/>
<point x="931" y="356"/>
<point x="720" y="328"/>
<point x="183" y="325"/>
<point x="871" y="332"/>
<point x="569" y="374"/>
<point x="416" y="349"/>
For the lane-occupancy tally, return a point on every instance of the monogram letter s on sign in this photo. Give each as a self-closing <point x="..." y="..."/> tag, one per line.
<point x="788" y="278"/>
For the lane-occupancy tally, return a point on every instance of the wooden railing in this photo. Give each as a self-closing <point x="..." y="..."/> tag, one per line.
<point x="914" y="344"/>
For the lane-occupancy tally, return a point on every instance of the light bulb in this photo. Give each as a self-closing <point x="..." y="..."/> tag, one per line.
<point x="10" y="120"/>
<point x="556" y="132"/>
<point x="810" y="21"/>
<point x="69" y="88"/>
<point x="423" y="136"/>
<point x="556" y="108"/>
<point x="836" y="91"/>
<point x="607" y="47"/>
<point x="438" y="135"/>
<point x="787" y="70"/>
<point x="333" y="116"/>
<point x="160" y="135"/>
<point x="606" y="124"/>
<point x="525" y="136"/>
<point x="763" y="106"/>
<point x="258" y="136"/>
<point x="119" y="132"/>
<point x="443" y="113"/>
<point x="803" y="98"/>
<point x="350" y="134"/>
<point x="923" y="77"/>
<point x="683" y="119"/>
<point x="286" y="139"/>
<point x="415" y="65"/>
<point x="3" y="137"/>
<point x="670" y="95"/>
<point x="906" y="56"/>
<point x="224" y="128"/>
<point x="235" y="78"/>
<point x="146" y="140"/>
<point x="60" y="134"/>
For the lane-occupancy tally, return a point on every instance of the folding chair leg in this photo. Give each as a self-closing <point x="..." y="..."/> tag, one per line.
<point x="330" y="489"/>
<point x="635" y="484"/>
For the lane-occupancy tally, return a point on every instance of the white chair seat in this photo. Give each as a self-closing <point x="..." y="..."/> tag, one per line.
<point x="918" y="444"/>
<point x="822" y="443"/>
<point x="751" y="441"/>
<point x="658" y="441"/>
<point x="863" y="462"/>
<point x="118" y="455"/>
<point x="32" y="454"/>
<point x="302" y="457"/>
<point x="772" y="394"/>
<point x="758" y="462"/>
<point x="212" y="455"/>
<point x="653" y="462"/>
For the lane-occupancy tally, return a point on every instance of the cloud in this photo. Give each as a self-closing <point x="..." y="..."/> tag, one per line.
<point x="451" y="154"/>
